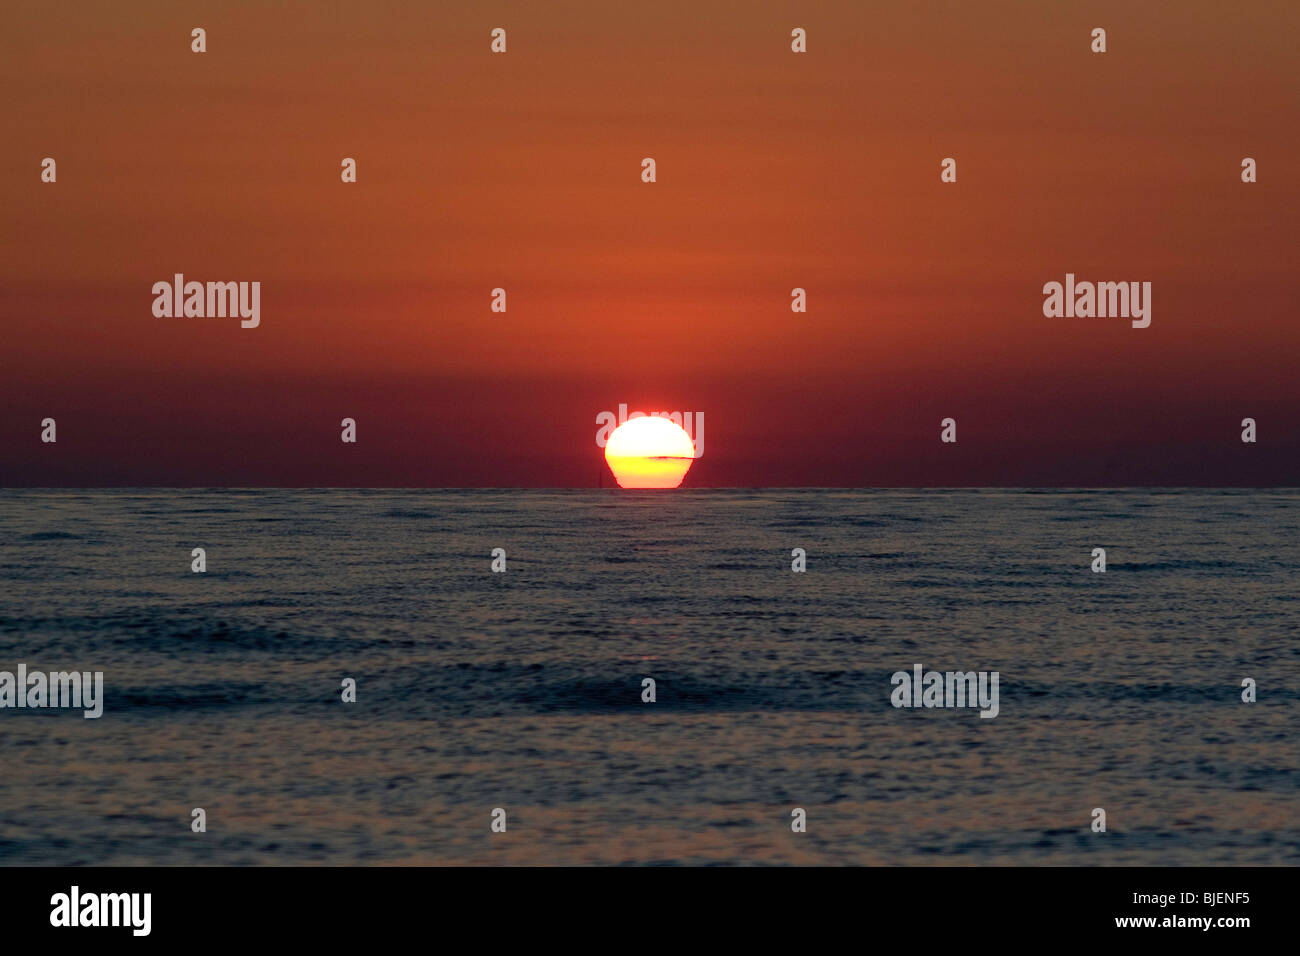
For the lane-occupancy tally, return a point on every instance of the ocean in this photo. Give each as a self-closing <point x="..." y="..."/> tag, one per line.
<point x="523" y="690"/>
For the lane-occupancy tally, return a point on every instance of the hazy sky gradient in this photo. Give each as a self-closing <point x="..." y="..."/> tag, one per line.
<point x="775" y="170"/>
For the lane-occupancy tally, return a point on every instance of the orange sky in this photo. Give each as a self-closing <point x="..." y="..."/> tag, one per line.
<point x="775" y="170"/>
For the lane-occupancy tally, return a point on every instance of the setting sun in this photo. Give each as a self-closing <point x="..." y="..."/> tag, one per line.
<point x="649" y="452"/>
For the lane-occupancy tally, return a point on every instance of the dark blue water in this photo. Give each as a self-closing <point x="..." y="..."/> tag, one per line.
<point x="523" y="690"/>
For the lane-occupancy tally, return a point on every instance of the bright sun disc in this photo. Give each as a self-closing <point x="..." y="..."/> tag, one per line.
<point x="649" y="452"/>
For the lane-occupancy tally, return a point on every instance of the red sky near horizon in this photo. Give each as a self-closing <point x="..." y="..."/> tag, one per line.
<point x="775" y="170"/>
